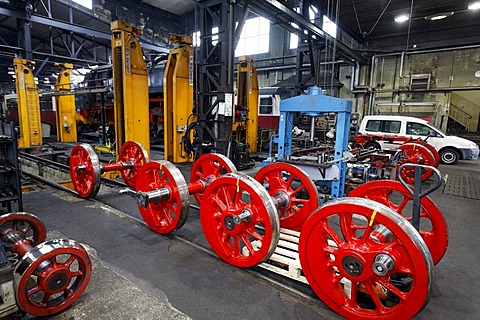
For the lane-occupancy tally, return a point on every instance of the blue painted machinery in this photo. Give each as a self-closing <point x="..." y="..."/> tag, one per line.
<point x="314" y="104"/>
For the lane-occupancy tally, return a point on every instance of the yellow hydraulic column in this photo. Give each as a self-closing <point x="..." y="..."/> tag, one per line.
<point x="247" y="96"/>
<point x="28" y="104"/>
<point x="178" y="98"/>
<point x="66" y="113"/>
<point x="130" y="86"/>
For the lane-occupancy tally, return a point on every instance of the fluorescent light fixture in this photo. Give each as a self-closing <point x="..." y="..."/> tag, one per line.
<point x="401" y="18"/>
<point x="439" y="16"/>
<point x="474" y="5"/>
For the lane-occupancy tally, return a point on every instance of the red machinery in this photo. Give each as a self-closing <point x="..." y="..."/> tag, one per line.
<point x="86" y="170"/>
<point x="48" y="276"/>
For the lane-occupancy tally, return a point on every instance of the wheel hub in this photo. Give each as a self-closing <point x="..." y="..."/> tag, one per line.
<point x="57" y="281"/>
<point x="352" y="265"/>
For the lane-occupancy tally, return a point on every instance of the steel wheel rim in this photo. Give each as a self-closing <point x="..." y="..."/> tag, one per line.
<point x="34" y="230"/>
<point x="169" y="214"/>
<point x="209" y="167"/>
<point x="250" y="243"/>
<point x="436" y="238"/>
<point x="86" y="182"/>
<point x="60" y="285"/>
<point x="325" y="275"/>
<point x="136" y="153"/>
<point x="278" y="178"/>
<point x="410" y="154"/>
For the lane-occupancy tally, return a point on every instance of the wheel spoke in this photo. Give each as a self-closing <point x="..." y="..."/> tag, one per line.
<point x="254" y="233"/>
<point x="247" y="243"/>
<point x="46" y="298"/>
<point x="373" y="294"/>
<point x="34" y="290"/>
<point x="326" y="227"/>
<point x="402" y="205"/>
<point x="221" y="205"/>
<point x="390" y="287"/>
<point x="346" y="224"/>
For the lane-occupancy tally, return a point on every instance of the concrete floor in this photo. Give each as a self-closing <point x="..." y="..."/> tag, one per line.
<point x="143" y="275"/>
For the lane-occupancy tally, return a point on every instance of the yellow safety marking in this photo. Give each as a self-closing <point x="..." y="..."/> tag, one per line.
<point x="238" y="184"/>
<point x="161" y="165"/>
<point x="372" y="218"/>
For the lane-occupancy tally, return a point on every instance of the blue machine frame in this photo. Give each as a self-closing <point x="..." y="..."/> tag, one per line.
<point x="314" y="104"/>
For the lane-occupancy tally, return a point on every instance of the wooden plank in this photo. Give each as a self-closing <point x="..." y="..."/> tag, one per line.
<point x="289" y="245"/>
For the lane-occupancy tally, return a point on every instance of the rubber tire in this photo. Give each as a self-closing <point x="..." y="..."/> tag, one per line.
<point x="450" y="153"/>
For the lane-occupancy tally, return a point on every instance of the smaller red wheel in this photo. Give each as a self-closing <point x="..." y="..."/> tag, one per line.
<point x="365" y="261"/>
<point x="169" y="214"/>
<point x="432" y="149"/>
<point x="28" y="225"/>
<point x="417" y="154"/>
<point x="433" y="227"/>
<point x="209" y="167"/>
<point x="293" y="183"/>
<point x="135" y="153"/>
<point x="239" y="220"/>
<point x="85" y="170"/>
<point x="51" y="276"/>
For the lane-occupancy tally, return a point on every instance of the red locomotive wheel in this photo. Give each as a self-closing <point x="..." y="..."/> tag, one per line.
<point x="209" y="167"/>
<point x="51" y="276"/>
<point x="417" y="154"/>
<point x="433" y="227"/>
<point x="239" y="220"/>
<point x="169" y="214"/>
<point x="132" y="152"/>
<point x="381" y="271"/>
<point x="29" y="225"/>
<point x="85" y="170"/>
<point x="432" y="149"/>
<point x="294" y="183"/>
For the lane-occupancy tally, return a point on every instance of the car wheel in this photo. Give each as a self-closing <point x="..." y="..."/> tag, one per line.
<point x="449" y="156"/>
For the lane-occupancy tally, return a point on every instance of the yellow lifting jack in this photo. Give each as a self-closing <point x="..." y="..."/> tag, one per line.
<point x="246" y="109"/>
<point x="130" y="85"/>
<point x="28" y="104"/>
<point x="178" y="99"/>
<point x="65" y="103"/>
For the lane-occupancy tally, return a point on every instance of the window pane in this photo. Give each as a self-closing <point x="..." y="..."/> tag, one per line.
<point x="293" y="41"/>
<point x="85" y="3"/>
<point x="373" y="125"/>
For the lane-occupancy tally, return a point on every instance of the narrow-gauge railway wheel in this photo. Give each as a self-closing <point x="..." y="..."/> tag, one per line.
<point x="167" y="214"/>
<point x="135" y="153"/>
<point x="299" y="189"/>
<point x="27" y="225"/>
<point x="51" y="276"/>
<point x="85" y="170"/>
<point x="381" y="271"/>
<point x="433" y="227"/>
<point x="239" y="220"/>
<point x="209" y="167"/>
<point x="417" y="154"/>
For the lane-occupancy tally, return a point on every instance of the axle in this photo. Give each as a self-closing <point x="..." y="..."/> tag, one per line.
<point x="162" y="194"/>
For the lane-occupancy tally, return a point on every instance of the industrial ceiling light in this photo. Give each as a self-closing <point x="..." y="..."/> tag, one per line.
<point x="474" y="5"/>
<point x="401" y="18"/>
<point x="439" y="16"/>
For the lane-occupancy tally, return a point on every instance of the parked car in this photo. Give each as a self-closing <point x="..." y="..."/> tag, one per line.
<point x="450" y="148"/>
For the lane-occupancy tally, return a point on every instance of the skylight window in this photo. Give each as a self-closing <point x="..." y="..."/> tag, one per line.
<point x="328" y="26"/>
<point x="86" y="3"/>
<point x="255" y="37"/>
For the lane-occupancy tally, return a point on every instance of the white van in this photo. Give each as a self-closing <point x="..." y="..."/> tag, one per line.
<point x="450" y="148"/>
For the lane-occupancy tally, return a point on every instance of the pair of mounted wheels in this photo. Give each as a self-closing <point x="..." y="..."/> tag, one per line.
<point x="48" y="276"/>
<point x="86" y="170"/>
<point x="361" y="258"/>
